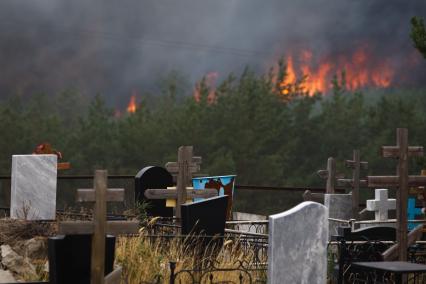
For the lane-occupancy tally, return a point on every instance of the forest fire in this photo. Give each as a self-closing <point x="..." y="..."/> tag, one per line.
<point x="206" y="84"/>
<point x="361" y="70"/>
<point x="131" y="107"/>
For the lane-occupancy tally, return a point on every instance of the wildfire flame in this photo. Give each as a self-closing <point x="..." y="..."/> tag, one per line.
<point x="131" y="107"/>
<point x="210" y="82"/>
<point x="360" y="71"/>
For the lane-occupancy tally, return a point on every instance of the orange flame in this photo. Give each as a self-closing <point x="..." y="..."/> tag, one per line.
<point x="361" y="70"/>
<point x="131" y="107"/>
<point x="210" y="82"/>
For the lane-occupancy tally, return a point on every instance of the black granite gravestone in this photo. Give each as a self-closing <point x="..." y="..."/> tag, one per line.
<point x="153" y="177"/>
<point x="368" y="234"/>
<point x="206" y="217"/>
<point x="70" y="258"/>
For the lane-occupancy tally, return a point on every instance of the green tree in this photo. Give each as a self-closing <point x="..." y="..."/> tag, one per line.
<point x="418" y="34"/>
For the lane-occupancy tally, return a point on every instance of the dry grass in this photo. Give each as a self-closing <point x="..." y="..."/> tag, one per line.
<point x="12" y="231"/>
<point x="144" y="260"/>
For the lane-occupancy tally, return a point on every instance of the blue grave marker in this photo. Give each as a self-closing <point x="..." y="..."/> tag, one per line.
<point x="223" y="184"/>
<point x="412" y="212"/>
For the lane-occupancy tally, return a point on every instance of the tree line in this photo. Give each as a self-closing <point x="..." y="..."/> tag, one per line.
<point x="249" y="128"/>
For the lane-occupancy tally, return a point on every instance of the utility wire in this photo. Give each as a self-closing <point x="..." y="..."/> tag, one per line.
<point x="140" y="40"/>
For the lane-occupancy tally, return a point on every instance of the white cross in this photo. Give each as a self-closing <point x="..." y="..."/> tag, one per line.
<point x="381" y="204"/>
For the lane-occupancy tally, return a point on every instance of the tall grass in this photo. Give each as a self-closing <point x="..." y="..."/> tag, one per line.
<point x="146" y="260"/>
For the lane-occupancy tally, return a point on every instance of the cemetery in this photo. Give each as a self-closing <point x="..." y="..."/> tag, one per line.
<point x="180" y="226"/>
<point x="213" y="142"/>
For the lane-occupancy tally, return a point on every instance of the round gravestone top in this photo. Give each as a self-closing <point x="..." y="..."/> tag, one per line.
<point x="153" y="177"/>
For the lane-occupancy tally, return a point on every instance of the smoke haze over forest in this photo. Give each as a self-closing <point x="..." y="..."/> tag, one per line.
<point x="114" y="47"/>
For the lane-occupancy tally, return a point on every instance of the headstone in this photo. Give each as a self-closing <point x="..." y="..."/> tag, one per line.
<point x="206" y="217"/>
<point x="297" y="251"/>
<point x="33" y="187"/>
<point x="376" y="233"/>
<point x="223" y="184"/>
<point x="381" y="205"/>
<point x="240" y="216"/>
<point x="412" y="212"/>
<point x="99" y="227"/>
<point x="339" y="207"/>
<point x="70" y="258"/>
<point x="153" y="177"/>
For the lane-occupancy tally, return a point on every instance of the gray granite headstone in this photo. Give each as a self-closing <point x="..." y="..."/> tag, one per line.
<point x="33" y="187"/>
<point x="339" y="207"/>
<point x="297" y="251"/>
<point x="240" y="216"/>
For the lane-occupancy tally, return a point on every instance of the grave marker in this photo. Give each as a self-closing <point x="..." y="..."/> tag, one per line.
<point x="184" y="168"/>
<point x="329" y="174"/>
<point x="70" y="256"/>
<point x="401" y="181"/>
<point x="153" y="177"/>
<point x="339" y="207"/>
<point x="99" y="227"/>
<point x="413" y="211"/>
<point x="297" y="251"/>
<point x="355" y="164"/>
<point x="381" y="204"/>
<point x="206" y="217"/>
<point x="33" y="187"/>
<point x="224" y="185"/>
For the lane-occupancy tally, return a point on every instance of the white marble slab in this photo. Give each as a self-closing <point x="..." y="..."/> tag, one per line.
<point x="33" y="187"/>
<point x="297" y="251"/>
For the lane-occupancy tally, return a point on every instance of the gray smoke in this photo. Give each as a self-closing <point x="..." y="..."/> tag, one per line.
<point x="113" y="47"/>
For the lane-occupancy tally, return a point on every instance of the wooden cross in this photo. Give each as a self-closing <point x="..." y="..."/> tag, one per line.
<point x="99" y="226"/>
<point x="329" y="174"/>
<point x="184" y="168"/>
<point x="355" y="164"/>
<point x="194" y="166"/>
<point x="401" y="181"/>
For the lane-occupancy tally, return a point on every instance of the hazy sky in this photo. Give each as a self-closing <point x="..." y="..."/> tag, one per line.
<point x="113" y="47"/>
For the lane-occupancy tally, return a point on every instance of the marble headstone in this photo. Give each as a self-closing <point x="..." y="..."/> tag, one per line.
<point x="297" y="251"/>
<point x="33" y="187"/>
<point x="339" y="207"/>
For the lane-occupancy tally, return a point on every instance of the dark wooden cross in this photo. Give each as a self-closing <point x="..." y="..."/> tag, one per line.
<point x="329" y="174"/>
<point x="402" y="181"/>
<point x="99" y="227"/>
<point x="173" y="167"/>
<point x="356" y="182"/>
<point x="184" y="168"/>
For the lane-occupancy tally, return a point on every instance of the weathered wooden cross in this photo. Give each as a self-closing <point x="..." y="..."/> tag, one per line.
<point x="173" y="167"/>
<point x="356" y="165"/>
<point x="99" y="227"/>
<point x="184" y="168"/>
<point x="329" y="174"/>
<point x="401" y="181"/>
